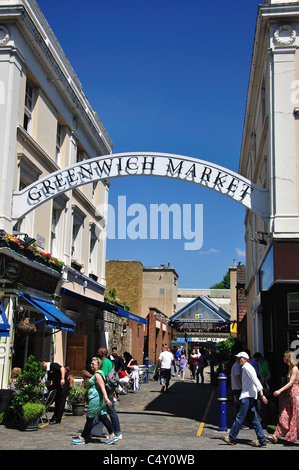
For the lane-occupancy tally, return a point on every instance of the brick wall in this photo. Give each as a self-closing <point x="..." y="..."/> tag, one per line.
<point x="159" y="332"/>
<point x="126" y="278"/>
<point x="241" y="297"/>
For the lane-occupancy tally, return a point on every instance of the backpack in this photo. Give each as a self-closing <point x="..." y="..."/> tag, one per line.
<point x="111" y="382"/>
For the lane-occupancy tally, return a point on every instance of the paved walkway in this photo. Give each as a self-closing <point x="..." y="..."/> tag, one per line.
<point x="184" y="420"/>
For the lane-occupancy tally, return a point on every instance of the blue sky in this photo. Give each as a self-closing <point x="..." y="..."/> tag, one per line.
<point x="167" y="76"/>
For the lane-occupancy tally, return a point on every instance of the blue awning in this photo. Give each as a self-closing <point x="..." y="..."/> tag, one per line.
<point x="53" y="316"/>
<point x="131" y="316"/>
<point x="105" y="306"/>
<point x="4" y="325"/>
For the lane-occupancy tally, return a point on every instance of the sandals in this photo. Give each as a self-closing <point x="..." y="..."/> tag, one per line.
<point x="272" y="439"/>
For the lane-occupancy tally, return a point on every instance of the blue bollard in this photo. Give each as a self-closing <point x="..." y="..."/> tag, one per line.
<point x="146" y="370"/>
<point x="222" y="400"/>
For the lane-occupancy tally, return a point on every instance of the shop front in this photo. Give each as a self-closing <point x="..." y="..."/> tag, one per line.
<point x="29" y="317"/>
<point x="279" y="303"/>
<point x="201" y="323"/>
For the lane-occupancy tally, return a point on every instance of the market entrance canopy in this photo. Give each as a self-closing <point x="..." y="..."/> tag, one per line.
<point x="188" y="169"/>
<point x="200" y="312"/>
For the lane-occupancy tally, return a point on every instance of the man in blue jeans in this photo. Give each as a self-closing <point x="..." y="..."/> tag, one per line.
<point x="251" y="387"/>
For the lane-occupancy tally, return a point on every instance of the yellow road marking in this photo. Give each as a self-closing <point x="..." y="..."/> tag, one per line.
<point x="201" y="426"/>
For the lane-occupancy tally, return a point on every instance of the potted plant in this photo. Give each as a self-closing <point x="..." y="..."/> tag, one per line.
<point x="77" y="398"/>
<point x="31" y="414"/>
<point x="29" y="392"/>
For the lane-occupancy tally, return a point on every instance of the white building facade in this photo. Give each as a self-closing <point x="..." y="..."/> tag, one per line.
<point x="269" y="158"/>
<point x="46" y="123"/>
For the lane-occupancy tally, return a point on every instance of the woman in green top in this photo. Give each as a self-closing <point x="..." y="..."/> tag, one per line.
<point x="97" y="400"/>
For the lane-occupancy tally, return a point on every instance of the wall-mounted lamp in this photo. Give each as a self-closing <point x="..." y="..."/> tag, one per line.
<point x="261" y="240"/>
<point x="27" y="241"/>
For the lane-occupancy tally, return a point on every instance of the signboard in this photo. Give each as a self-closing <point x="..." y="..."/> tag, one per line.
<point x="189" y="169"/>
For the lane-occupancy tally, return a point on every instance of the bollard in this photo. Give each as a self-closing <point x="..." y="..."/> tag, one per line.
<point x="146" y="370"/>
<point x="222" y="400"/>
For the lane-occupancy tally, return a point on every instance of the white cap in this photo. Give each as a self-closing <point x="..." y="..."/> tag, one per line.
<point x="243" y="354"/>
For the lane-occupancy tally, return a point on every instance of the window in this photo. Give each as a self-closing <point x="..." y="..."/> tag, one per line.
<point x="79" y="156"/>
<point x="58" y="143"/>
<point x="293" y="308"/>
<point x="78" y="225"/>
<point x="93" y="249"/>
<point x="27" y="124"/>
<point x="54" y="222"/>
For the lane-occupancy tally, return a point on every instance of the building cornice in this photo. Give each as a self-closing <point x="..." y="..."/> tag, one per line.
<point x="282" y="14"/>
<point x="33" y="24"/>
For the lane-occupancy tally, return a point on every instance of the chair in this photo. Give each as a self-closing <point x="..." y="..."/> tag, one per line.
<point x="48" y="401"/>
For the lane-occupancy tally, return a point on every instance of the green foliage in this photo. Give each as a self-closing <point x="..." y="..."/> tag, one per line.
<point x="224" y="356"/>
<point x="78" y="394"/>
<point x="224" y="284"/>
<point x="111" y="298"/>
<point x="30" y="387"/>
<point x="32" y="410"/>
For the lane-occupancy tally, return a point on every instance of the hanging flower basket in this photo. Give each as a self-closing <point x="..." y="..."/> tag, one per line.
<point x="25" y="327"/>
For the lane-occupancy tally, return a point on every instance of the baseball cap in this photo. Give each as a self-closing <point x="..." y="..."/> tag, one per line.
<point x="242" y="354"/>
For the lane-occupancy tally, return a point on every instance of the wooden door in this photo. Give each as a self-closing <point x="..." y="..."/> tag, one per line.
<point x="76" y="353"/>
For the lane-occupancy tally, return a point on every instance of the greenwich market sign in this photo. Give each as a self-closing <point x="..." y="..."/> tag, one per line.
<point x="179" y="167"/>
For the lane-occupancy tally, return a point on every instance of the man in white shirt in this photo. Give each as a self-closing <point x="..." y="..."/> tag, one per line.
<point x="251" y="387"/>
<point x="165" y="361"/>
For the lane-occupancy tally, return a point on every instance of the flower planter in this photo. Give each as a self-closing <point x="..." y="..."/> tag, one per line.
<point x="31" y="425"/>
<point x="78" y="409"/>
<point x="25" y="327"/>
<point x="76" y="266"/>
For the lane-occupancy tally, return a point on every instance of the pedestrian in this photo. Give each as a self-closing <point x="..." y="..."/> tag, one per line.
<point x="165" y="362"/>
<point x="183" y="362"/>
<point x="177" y="359"/>
<point x="201" y="364"/>
<point x="57" y="380"/>
<point x="264" y="376"/>
<point x="251" y="388"/>
<point x="193" y="362"/>
<point x="252" y="361"/>
<point x="97" y="400"/>
<point x="116" y="359"/>
<point x="288" y="425"/>
<point x="106" y="367"/>
<point x="264" y="367"/>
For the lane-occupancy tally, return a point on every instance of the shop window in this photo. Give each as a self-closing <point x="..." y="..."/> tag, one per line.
<point x="293" y="308"/>
<point x="27" y="124"/>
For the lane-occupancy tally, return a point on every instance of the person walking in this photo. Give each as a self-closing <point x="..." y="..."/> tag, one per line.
<point x="165" y="362"/>
<point x="177" y="359"/>
<point x="202" y="363"/>
<point x="288" y="425"/>
<point x="97" y="400"/>
<point x="183" y="363"/>
<point x="106" y="367"/>
<point x="193" y="363"/>
<point x="251" y="387"/>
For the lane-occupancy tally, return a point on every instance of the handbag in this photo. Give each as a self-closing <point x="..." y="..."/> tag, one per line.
<point x="156" y="375"/>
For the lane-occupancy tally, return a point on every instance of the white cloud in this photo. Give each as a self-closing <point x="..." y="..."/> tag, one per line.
<point x="240" y="252"/>
<point x="211" y="250"/>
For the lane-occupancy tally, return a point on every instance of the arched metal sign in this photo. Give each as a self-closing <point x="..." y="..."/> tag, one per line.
<point x="179" y="167"/>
